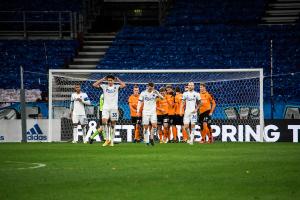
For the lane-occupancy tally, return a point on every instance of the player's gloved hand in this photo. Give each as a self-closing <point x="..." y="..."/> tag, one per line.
<point x="78" y="99"/>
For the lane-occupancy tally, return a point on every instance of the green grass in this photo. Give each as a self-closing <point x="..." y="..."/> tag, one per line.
<point x="167" y="171"/>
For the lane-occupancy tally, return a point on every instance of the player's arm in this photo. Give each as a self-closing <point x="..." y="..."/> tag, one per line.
<point x="98" y="83"/>
<point x="86" y="100"/>
<point x="122" y="83"/>
<point x="182" y="105"/>
<point x="158" y="94"/>
<point x="198" y="103"/>
<point x="71" y="105"/>
<point x="213" y="105"/>
<point x="140" y="103"/>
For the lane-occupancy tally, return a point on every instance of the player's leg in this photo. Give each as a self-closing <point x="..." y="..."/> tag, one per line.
<point x="203" y="119"/>
<point x="114" y="116"/>
<point x="166" y="128"/>
<point x="159" y="127"/>
<point x="99" y="130"/>
<point x="83" y="122"/>
<point x="145" y="122"/>
<point x="209" y="130"/>
<point x="178" y="120"/>
<point x="134" y="121"/>
<point x="153" y="120"/>
<point x="75" y="121"/>
<point x="193" y="129"/>
<point x="105" y="117"/>
<point x="186" y="125"/>
<point x="201" y="124"/>
<point x="174" y="129"/>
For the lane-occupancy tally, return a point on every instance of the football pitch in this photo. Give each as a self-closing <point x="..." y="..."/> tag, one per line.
<point x="135" y="171"/>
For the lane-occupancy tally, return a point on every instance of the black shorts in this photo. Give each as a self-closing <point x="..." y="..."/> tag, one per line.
<point x="136" y="120"/>
<point x="171" y="119"/>
<point x="161" y="119"/>
<point x="204" y="117"/>
<point x="178" y="120"/>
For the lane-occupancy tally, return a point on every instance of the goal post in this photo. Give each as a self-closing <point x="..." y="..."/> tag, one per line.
<point x="238" y="94"/>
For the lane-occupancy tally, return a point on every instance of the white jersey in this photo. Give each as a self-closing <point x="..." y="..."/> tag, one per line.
<point x="111" y="95"/>
<point x="149" y="99"/>
<point x="190" y="98"/>
<point x="77" y="106"/>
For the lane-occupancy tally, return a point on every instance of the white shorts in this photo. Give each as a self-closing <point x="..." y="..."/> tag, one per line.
<point x="79" y="119"/>
<point x="112" y="114"/>
<point x="149" y="118"/>
<point x="190" y="118"/>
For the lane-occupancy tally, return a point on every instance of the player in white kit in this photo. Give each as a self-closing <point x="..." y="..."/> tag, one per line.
<point x="191" y="101"/>
<point x="77" y="107"/>
<point x="148" y="99"/>
<point x="110" y="106"/>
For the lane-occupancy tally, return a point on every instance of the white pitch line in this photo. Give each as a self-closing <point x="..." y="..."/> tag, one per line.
<point x="37" y="165"/>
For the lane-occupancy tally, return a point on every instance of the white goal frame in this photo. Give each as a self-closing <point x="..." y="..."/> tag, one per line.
<point x="260" y="70"/>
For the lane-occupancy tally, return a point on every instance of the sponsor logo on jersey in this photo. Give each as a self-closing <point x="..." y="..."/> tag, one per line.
<point x="110" y="91"/>
<point x="152" y="98"/>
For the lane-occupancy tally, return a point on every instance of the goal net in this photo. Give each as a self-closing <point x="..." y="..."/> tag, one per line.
<point x="238" y="94"/>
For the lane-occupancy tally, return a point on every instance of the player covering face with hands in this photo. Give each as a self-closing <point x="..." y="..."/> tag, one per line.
<point x="110" y="106"/>
<point x="148" y="100"/>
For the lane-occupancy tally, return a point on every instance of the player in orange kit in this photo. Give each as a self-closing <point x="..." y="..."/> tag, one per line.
<point x="162" y="115"/>
<point x="171" y="112"/>
<point x="178" y="120"/>
<point x="206" y="110"/>
<point x="135" y="119"/>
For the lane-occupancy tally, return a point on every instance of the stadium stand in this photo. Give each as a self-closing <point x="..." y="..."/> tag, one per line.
<point x="36" y="57"/>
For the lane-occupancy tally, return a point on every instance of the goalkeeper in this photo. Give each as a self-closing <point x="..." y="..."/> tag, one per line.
<point x="100" y="130"/>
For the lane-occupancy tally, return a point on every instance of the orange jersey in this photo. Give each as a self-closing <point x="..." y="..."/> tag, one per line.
<point x="171" y="102"/>
<point x="178" y="103"/>
<point x="133" y="102"/>
<point x="206" y="102"/>
<point x="161" y="107"/>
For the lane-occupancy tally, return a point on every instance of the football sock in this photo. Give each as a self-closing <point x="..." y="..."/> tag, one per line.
<point x="165" y="133"/>
<point x="75" y="136"/>
<point x="112" y="134"/>
<point x="160" y="134"/>
<point x="192" y="134"/>
<point x="203" y="134"/>
<point x="174" y="130"/>
<point x="94" y="134"/>
<point x="146" y="136"/>
<point x="106" y="132"/>
<point x="137" y="132"/>
<point x="184" y="134"/>
<point x="153" y="132"/>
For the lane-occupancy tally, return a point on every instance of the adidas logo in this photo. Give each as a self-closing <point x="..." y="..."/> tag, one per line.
<point x="36" y="134"/>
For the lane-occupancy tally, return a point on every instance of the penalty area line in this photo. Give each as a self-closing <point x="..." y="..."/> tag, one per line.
<point x="36" y="165"/>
